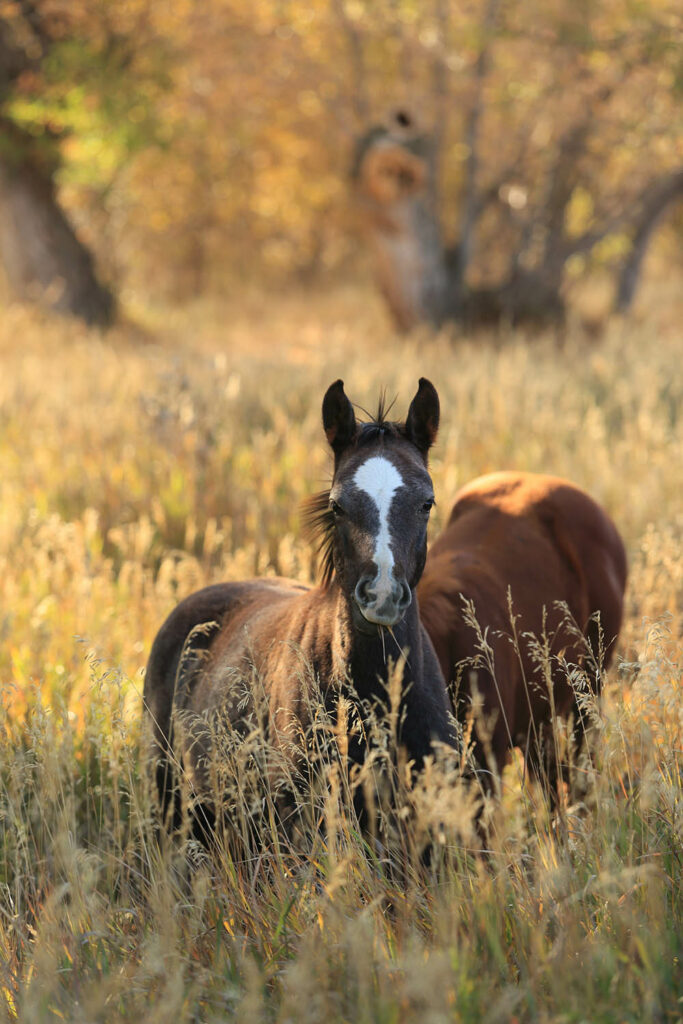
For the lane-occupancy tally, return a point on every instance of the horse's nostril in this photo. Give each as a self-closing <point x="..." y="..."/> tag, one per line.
<point x="406" y="595"/>
<point x="362" y="590"/>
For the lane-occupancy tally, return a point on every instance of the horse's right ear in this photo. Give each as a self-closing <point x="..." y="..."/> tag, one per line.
<point x="339" y="420"/>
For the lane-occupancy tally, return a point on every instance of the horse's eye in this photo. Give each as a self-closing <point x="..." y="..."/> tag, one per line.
<point x="336" y="509"/>
<point x="427" y="506"/>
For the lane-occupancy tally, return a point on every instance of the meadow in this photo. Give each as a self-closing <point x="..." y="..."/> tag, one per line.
<point x="141" y="464"/>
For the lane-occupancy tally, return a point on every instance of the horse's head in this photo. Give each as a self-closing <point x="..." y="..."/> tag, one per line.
<point x="379" y="503"/>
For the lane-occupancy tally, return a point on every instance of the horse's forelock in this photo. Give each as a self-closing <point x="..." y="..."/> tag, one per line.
<point x="377" y="427"/>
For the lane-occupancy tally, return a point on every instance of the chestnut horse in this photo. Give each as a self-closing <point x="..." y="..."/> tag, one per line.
<point x="372" y="530"/>
<point x="547" y="542"/>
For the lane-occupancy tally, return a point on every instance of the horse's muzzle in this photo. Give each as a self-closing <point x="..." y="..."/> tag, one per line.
<point x="382" y="609"/>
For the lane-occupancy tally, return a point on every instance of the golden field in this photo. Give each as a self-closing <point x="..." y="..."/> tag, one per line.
<point x="139" y="465"/>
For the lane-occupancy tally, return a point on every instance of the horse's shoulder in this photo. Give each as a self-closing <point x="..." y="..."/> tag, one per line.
<point x="453" y="578"/>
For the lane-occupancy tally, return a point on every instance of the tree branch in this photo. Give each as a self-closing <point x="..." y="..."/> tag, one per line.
<point x="354" y="43"/>
<point x="440" y="83"/>
<point x="656" y="198"/>
<point x="469" y="202"/>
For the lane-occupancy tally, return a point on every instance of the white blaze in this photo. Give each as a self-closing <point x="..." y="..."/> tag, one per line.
<point x="380" y="479"/>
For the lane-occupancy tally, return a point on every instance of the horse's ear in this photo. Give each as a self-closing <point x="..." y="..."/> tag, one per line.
<point x="339" y="420"/>
<point x="422" y="423"/>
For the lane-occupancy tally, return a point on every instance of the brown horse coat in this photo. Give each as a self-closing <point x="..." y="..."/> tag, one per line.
<point x="547" y="541"/>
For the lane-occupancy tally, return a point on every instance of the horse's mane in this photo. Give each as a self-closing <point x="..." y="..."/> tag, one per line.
<point x="318" y="523"/>
<point x="317" y="517"/>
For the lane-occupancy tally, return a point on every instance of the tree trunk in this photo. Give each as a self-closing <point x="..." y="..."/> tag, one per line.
<point x="394" y="180"/>
<point x="42" y="256"/>
<point x="422" y="281"/>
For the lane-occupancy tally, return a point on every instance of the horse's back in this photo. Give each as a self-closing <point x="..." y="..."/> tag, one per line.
<point x="194" y="623"/>
<point x="553" y="534"/>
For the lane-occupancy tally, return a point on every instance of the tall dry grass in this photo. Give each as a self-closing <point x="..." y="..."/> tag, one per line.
<point x="138" y="467"/>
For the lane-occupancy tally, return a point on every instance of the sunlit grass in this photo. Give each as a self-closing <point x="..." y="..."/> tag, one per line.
<point x="137" y="467"/>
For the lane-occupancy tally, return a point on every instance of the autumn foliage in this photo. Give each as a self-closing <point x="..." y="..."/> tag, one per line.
<point x="195" y="143"/>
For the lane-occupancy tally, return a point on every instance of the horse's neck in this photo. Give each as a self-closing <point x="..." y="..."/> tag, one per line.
<point x="366" y="659"/>
<point x="396" y="669"/>
<point x="374" y="657"/>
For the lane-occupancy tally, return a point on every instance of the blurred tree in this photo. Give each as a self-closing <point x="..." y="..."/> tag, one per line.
<point x="586" y="160"/>
<point x="42" y="255"/>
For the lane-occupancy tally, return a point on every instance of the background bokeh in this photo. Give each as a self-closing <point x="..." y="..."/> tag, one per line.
<point x="194" y="146"/>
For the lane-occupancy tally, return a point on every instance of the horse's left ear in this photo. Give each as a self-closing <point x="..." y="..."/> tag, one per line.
<point x="422" y="423"/>
<point x="339" y="419"/>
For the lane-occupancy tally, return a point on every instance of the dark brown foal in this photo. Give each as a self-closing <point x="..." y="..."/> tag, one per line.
<point x="291" y="640"/>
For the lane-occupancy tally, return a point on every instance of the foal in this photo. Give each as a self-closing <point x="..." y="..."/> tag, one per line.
<point x="547" y="542"/>
<point x="372" y="530"/>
